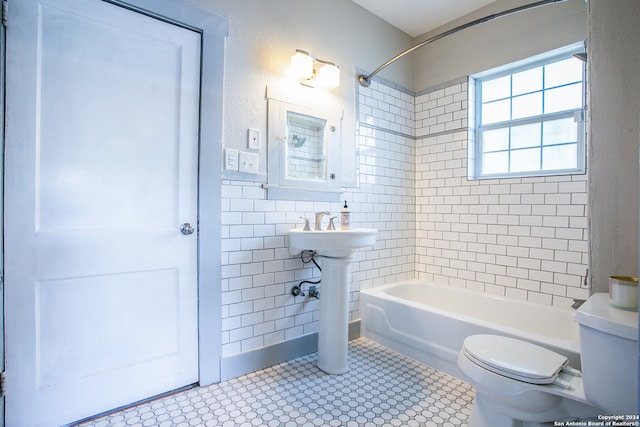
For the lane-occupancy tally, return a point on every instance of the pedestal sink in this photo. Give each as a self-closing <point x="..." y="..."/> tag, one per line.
<point x="335" y="247"/>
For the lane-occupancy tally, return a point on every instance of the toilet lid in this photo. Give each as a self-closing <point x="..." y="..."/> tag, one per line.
<point x="512" y="358"/>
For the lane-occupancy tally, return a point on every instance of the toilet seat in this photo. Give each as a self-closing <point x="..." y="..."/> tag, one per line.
<point x="516" y="359"/>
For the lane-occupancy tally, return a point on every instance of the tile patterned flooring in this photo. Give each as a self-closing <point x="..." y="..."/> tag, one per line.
<point x="382" y="388"/>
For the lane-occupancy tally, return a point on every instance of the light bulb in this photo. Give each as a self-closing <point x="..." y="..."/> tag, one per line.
<point x="302" y="64"/>
<point x="328" y="76"/>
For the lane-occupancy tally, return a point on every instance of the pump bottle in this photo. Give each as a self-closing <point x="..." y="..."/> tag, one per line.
<point x="345" y="217"/>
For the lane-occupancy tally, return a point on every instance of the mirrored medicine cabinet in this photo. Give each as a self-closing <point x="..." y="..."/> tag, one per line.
<point x="303" y="152"/>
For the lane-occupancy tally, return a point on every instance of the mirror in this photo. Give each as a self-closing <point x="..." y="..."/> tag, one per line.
<point x="303" y="152"/>
<point x="306" y="148"/>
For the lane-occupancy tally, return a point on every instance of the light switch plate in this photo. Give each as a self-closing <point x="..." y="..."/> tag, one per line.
<point x="253" y="137"/>
<point x="230" y="159"/>
<point x="248" y="162"/>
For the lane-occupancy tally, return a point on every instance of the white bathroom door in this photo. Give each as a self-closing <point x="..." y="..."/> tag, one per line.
<point x="101" y="172"/>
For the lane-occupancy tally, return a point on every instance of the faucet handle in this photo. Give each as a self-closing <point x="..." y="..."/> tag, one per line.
<point x="331" y="226"/>
<point x="307" y="227"/>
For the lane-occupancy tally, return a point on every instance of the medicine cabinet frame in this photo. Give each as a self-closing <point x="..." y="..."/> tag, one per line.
<point x="303" y="157"/>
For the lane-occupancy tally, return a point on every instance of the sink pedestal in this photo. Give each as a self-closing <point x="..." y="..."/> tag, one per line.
<point x="335" y="247"/>
<point x="333" y="325"/>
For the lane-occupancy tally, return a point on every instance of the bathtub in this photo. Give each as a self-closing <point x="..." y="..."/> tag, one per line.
<point x="429" y="322"/>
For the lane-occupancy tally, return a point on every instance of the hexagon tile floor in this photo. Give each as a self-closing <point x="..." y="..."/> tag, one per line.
<point x="382" y="388"/>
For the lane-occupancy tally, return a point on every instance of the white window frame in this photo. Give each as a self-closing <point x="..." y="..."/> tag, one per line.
<point x="475" y="152"/>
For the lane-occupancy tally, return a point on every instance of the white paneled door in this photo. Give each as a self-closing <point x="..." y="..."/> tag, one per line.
<point x="101" y="173"/>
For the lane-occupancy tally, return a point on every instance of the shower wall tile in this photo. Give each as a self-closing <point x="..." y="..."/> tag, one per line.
<point x="387" y="108"/>
<point x="520" y="237"/>
<point x="442" y="109"/>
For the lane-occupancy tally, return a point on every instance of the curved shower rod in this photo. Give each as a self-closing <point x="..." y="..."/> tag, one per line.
<point x="366" y="80"/>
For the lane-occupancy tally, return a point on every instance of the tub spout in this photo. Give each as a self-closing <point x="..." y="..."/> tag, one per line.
<point x="577" y="303"/>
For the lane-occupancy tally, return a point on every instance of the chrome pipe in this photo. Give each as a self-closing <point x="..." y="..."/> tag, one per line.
<point x="366" y="80"/>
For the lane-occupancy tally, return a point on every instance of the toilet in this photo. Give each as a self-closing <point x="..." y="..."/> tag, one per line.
<point x="519" y="384"/>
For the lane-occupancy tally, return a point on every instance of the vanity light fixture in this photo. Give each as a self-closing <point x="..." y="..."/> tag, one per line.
<point x="315" y="72"/>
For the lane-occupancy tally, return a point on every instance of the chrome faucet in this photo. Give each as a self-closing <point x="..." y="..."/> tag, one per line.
<point x="319" y="215"/>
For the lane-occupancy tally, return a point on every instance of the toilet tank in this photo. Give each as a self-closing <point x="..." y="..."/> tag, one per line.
<point x="609" y="353"/>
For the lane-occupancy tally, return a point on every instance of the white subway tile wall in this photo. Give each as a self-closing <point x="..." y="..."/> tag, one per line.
<point x="258" y="272"/>
<point x="519" y="237"/>
<point x="523" y="237"/>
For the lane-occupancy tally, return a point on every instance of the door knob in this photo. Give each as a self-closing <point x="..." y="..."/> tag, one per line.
<point x="186" y="229"/>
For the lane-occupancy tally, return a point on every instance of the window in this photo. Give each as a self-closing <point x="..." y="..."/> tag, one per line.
<point x="529" y="118"/>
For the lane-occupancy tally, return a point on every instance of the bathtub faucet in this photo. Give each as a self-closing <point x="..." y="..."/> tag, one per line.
<point x="319" y="216"/>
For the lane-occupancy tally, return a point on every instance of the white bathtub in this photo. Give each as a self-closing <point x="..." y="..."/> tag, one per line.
<point x="429" y="322"/>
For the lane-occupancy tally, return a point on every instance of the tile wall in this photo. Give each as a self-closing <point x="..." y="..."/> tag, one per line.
<point x="524" y="237"/>
<point x="520" y="237"/>
<point x="257" y="271"/>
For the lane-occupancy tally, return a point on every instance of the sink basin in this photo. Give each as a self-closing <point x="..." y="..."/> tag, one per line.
<point x="331" y="243"/>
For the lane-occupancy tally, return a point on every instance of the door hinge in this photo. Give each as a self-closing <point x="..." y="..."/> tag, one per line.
<point x="3" y="384"/>
<point x="5" y="12"/>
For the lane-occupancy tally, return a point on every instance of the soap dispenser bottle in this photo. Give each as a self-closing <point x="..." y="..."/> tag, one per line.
<point x="345" y="217"/>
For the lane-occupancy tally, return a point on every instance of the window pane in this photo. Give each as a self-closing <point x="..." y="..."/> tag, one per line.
<point x="563" y="98"/>
<point x="525" y="160"/>
<point x="560" y="157"/>
<point x="559" y="131"/>
<point x="525" y="136"/>
<point x="525" y="123"/>
<point x="563" y="72"/>
<point x="527" y="81"/>
<point x="495" y="140"/>
<point x="493" y="163"/>
<point x="497" y="111"/>
<point x="496" y="89"/>
<point x="527" y="105"/>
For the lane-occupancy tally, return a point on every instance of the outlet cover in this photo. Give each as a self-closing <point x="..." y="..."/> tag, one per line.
<point x="253" y="139"/>
<point x="248" y="162"/>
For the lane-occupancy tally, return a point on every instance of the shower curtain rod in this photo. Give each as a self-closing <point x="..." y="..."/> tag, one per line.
<point x="366" y="80"/>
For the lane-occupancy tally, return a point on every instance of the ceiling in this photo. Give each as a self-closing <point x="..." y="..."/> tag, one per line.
<point x="416" y="17"/>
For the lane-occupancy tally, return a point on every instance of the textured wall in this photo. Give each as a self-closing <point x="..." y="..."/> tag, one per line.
<point x="500" y="41"/>
<point x="614" y="65"/>
<point x="264" y="34"/>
